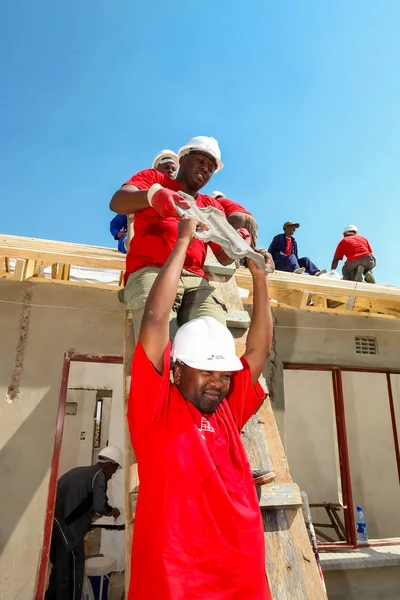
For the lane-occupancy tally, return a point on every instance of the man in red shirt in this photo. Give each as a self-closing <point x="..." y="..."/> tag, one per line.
<point x="238" y="216"/>
<point x="358" y="251"/>
<point x="198" y="527"/>
<point x="152" y="197"/>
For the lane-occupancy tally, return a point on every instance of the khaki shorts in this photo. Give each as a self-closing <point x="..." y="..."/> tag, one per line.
<point x="195" y="298"/>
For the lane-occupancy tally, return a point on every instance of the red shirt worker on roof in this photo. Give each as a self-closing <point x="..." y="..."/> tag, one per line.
<point x="152" y="197"/>
<point x="198" y="527"/>
<point x="358" y="251"/>
<point x="166" y="161"/>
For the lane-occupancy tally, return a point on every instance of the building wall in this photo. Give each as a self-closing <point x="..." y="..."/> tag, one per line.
<point x="38" y="323"/>
<point x="363" y="584"/>
<point x="75" y="451"/>
<point x="302" y="336"/>
<point x="303" y="405"/>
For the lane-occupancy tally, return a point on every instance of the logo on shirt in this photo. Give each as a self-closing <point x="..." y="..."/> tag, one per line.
<point x="205" y="425"/>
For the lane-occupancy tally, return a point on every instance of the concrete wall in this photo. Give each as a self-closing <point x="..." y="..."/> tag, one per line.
<point x="302" y="336"/>
<point x="302" y="402"/>
<point x="75" y="451"/>
<point x="363" y="584"/>
<point x="38" y="323"/>
<point x="311" y="447"/>
<point x="373" y="467"/>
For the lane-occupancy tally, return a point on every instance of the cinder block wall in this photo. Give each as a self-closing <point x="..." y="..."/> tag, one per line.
<point x="38" y="323"/>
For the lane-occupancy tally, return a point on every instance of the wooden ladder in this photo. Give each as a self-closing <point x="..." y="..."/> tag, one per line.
<point x="291" y="567"/>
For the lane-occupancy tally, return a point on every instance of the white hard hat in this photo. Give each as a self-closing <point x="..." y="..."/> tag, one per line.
<point x="350" y="228"/>
<point x="217" y="194"/>
<point x="110" y="454"/>
<point x="165" y="156"/>
<point x="209" y="145"/>
<point x="206" y="344"/>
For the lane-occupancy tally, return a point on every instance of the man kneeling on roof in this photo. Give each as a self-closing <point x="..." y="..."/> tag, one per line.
<point x="198" y="527"/>
<point x="285" y="253"/>
<point x="358" y="251"/>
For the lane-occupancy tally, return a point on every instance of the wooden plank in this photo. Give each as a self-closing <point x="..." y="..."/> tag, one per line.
<point x="326" y="287"/>
<point x="32" y="268"/>
<point x="84" y="284"/>
<point x="319" y="301"/>
<point x="291" y="566"/>
<point x="19" y="271"/>
<point x="238" y="318"/>
<point x="54" y="256"/>
<point x="281" y="495"/>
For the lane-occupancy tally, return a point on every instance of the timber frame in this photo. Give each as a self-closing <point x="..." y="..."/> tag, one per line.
<point x="26" y="258"/>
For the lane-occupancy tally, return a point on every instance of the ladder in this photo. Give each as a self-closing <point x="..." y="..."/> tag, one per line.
<point x="291" y="567"/>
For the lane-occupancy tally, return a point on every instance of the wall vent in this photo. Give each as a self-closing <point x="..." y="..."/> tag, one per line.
<point x="366" y="345"/>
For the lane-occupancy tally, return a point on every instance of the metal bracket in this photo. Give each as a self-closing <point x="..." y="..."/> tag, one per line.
<point x="221" y="232"/>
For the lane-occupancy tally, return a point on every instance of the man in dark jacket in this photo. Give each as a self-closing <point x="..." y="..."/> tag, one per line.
<point x="285" y="253"/>
<point x="81" y="493"/>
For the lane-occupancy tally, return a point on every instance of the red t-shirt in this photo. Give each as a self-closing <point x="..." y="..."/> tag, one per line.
<point x="198" y="527"/>
<point x="289" y="246"/>
<point x="231" y="207"/>
<point x="353" y="246"/>
<point x="154" y="237"/>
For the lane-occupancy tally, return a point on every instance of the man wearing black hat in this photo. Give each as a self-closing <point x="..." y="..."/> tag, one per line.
<point x="285" y="254"/>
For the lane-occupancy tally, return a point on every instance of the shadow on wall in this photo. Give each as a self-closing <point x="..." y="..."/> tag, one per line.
<point x="24" y="462"/>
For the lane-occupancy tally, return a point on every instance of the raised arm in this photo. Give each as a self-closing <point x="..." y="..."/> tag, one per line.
<point x="154" y="331"/>
<point x="259" y="338"/>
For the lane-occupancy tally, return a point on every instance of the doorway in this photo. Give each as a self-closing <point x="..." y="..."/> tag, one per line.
<point x="90" y="416"/>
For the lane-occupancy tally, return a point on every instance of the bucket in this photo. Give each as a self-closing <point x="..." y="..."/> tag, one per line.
<point x="98" y="570"/>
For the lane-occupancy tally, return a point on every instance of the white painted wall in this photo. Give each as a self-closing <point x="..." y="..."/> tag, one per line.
<point x="312" y="451"/>
<point x="60" y="319"/>
<point x="77" y="452"/>
<point x="108" y="377"/>
<point x="373" y="468"/>
<point x="311" y="438"/>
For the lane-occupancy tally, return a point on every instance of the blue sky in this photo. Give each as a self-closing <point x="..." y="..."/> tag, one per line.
<point x="304" y="98"/>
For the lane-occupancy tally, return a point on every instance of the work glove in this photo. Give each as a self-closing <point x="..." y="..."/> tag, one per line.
<point x="244" y="234"/>
<point x="163" y="201"/>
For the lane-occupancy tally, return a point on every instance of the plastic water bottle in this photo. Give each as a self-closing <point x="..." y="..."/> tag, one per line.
<point x="362" y="535"/>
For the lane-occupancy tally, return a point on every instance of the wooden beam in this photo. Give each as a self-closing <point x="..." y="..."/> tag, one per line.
<point x="326" y="287"/>
<point x="282" y="495"/>
<point x="19" y="270"/>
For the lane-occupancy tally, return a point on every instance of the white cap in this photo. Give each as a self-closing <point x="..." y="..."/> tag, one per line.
<point x="206" y="344"/>
<point x="208" y="145"/>
<point x="217" y="194"/>
<point x="350" y="228"/>
<point x="165" y="156"/>
<point x="110" y="454"/>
